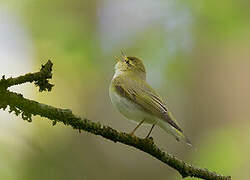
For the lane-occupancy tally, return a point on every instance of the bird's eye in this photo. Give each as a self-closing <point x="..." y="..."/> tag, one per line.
<point x="127" y="62"/>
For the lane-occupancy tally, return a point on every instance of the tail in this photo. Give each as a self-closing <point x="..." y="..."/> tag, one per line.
<point x="179" y="136"/>
<point x="187" y="141"/>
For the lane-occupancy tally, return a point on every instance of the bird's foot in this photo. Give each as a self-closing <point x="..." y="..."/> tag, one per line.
<point x="149" y="138"/>
<point x="132" y="134"/>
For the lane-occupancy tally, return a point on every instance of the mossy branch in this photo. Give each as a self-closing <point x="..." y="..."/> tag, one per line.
<point x="28" y="108"/>
<point x="40" y="78"/>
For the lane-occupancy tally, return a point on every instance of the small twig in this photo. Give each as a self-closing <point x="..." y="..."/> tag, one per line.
<point x="40" y="78"/>
<point x="28" y="108"/>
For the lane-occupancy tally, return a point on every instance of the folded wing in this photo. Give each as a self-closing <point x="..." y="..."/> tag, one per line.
<point x="142" y="94"/>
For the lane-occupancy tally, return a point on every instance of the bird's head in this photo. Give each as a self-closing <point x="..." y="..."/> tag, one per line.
<point x="129" y="64"/>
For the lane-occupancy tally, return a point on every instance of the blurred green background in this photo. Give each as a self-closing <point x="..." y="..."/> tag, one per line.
<point x="196" y="54"/>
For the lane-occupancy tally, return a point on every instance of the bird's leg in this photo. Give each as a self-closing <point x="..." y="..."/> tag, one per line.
<point x="150" y="130"/>
<point x="132" y="133"/>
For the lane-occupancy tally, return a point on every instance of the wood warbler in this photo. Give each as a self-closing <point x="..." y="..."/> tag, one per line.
<point x="137" y="101"/>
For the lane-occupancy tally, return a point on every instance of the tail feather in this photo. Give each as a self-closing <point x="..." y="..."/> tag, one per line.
<point x="179" y="136"/>
<point x="188" y="142"/>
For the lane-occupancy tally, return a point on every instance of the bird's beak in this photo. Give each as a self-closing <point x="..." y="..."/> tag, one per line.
<point x="123" y="53"/>
<point x="124" y="57"/>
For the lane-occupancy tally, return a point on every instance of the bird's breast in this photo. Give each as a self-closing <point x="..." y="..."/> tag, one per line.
<point x="128" y="108"/>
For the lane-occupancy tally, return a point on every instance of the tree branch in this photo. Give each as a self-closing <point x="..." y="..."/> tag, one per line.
<point x="40" y="78"/>
<point x="28" y="108"/>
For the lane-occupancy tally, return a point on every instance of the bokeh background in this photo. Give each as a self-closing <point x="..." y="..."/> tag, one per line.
<point x="197" y="57"/>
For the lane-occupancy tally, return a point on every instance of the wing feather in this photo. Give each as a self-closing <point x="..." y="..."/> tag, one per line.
<point x="142" y="94"/>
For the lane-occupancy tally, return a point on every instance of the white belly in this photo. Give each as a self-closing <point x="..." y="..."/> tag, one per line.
<point x="129" y="109"/>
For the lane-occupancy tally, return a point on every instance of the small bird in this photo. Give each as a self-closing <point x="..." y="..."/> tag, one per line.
<point x="136" y="100"/>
